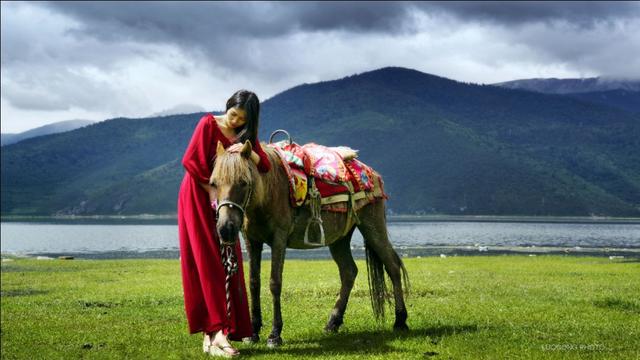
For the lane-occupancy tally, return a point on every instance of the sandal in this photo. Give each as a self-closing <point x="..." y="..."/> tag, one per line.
<point x="216" y="350"/>
<point x="206" y="343"/>
<point x="227" y="351"/>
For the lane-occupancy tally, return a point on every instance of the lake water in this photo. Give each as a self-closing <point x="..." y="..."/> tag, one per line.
<point x="117" y="239"/>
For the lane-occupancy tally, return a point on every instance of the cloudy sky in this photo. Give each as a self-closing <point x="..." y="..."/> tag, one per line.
<point x="99" y="60"/>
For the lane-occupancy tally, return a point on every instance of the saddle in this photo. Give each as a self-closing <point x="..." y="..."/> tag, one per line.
<point x="327" y="179"/>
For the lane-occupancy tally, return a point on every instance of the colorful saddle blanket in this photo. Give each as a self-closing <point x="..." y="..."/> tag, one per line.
<point x="332" y="175"/>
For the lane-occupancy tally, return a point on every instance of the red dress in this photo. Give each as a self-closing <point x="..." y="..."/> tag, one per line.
<point x="203" y="276"/>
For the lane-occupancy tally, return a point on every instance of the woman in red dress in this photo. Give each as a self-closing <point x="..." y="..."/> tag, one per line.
<point x="203" y="274"/>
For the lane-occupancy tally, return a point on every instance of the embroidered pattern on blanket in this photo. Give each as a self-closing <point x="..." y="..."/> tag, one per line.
<point x="361" y="173"/>
<point x="319" y="161"/>
<point x="324" y="163"/>
<point x="330" y="171"/>
<point x="297" y="179"/>
<point x="292" y="153"/>
<point x="301" y="186"/>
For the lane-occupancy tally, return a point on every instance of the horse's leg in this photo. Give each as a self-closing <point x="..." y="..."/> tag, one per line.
<point x="374" y="231"/>
<point x="341" y="253"/>
<point x="278" y="249"/>
<point x="254" y="249"/>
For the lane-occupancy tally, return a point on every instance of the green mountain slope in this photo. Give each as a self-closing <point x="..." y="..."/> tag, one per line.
<point x="621" y="99"/>
<point x="70" y="172"/>
<point x="442" y="147"/>
<point x="595" y="144"/>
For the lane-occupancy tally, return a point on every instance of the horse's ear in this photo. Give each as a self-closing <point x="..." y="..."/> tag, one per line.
<point x="246" y="149"/>
<point x="220" y="149"/>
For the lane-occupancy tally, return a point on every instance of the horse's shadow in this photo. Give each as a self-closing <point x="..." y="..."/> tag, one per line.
<point x="361" y="342"/>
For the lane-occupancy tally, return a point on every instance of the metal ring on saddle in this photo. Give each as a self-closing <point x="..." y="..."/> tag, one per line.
<point x="280" y="131"/>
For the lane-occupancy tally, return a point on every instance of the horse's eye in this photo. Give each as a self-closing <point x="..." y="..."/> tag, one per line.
<point x="243" y="183"/>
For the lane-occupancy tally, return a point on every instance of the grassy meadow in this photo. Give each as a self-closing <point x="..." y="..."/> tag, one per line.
<point x="482" y="307"/>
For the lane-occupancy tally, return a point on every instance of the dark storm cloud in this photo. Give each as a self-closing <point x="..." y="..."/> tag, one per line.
<point x="232" y="35"/>
<point x="229" y="33"/>
<point x="212" y="28"/>
<point x="65" y="55"/>
<point x="202" y="21"/>
<point x="580" y="13"/>
<point x="198" y="21"/>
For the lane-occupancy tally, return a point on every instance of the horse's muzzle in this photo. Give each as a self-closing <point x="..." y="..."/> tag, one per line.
<point x="228" y="233"/>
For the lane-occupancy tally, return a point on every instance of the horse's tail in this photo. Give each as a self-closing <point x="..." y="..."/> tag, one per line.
<point x="378" y="290"/>
<point x="377" y="286"/>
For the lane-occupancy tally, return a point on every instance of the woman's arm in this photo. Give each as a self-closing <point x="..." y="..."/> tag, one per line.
<point x="210" y="190"/>
<point x="258" y="156"/>
<point x="263" y="161"/>
<point x="237" y="147"/>
<point x="196" y="157"/>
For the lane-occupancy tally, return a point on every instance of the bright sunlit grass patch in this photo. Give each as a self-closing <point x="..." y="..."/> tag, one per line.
<point x="484" y="307"/>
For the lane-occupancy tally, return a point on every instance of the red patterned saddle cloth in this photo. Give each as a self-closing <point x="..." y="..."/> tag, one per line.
<point x="331" y="174"/>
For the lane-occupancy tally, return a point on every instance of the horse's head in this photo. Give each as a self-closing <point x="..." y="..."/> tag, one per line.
<point x="235" y="178"/>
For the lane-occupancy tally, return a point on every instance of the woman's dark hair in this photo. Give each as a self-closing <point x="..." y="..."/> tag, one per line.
<point x="247" y="101"/>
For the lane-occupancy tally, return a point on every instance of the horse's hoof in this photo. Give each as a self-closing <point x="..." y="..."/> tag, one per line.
<point x="400" y="327"/>
<point x="274" y="342"/>
<point x="331" y="329"/>
<point x="251" y="340"/>
<point x="333" y="324"/>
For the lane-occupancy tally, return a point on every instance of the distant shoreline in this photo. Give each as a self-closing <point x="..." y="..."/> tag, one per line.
<point x="390" y="218"/>
<point x="359" y="252"/>
<point x="521" y="219"/>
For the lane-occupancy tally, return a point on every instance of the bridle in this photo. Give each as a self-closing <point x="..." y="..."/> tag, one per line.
<point x="227" y="252"/>
<point x="232" y="204"/>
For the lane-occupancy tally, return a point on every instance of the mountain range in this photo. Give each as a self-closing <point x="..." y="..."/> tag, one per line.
<point x="572" y="86"/>
<point x="180" y="109"/>
<point x="620" y="94"/>
<point x="58" y="127"/>
<point x="443" y="147"/>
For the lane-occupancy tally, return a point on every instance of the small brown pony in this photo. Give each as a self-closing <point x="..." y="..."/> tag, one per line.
<point x="258" y="204"/>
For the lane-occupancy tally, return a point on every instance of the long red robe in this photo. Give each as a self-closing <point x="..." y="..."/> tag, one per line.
<point x="203" y="276"/>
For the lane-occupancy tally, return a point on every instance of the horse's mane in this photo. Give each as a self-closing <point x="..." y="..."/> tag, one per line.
<point x="273" y="180"/>
<point x="232" y="168"/>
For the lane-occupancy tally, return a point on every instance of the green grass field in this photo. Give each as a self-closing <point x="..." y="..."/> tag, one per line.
<point x="484" y="307"/>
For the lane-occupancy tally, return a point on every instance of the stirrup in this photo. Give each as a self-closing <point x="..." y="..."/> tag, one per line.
<point x="306" y="232"/>
<point x="315" y="206"/>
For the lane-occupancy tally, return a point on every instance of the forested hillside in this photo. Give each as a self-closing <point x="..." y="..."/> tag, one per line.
<point x="442" y="147"/>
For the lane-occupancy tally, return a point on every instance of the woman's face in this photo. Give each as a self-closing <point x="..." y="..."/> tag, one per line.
<point x="236" y="118"/>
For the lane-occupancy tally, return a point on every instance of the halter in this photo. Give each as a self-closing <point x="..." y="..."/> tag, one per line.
<point x="232" y="204"/>
<point x="227" y="252"/>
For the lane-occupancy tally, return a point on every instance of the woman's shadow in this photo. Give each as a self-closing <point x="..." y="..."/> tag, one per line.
<point x="362" y="342"/>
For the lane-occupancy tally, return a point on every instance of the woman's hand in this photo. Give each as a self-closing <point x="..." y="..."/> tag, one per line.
<point x="238" y="147"/>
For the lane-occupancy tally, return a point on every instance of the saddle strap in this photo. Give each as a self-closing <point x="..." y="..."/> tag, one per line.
<point x="352" y="216"/>
<point x="341" y="198"/>
<point x="315" y="205"/>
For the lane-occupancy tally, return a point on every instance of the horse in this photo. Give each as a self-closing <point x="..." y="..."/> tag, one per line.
<point x="258" y="205"/>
